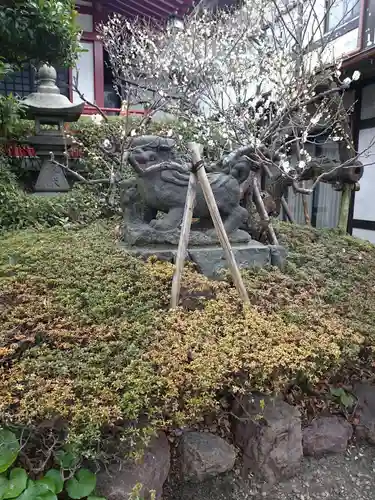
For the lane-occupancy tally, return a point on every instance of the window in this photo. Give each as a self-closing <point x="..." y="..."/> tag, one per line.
<point x="340" y="12"/>
<point x="220" y="4"/>
<point x="111" y="99"/>
<point x="83" y="73"/>
<point x="22" y="83"/>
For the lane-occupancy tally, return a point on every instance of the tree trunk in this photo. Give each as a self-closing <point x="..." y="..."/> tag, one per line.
<point x="344" y="207"/>
<point x="306" y="210"/>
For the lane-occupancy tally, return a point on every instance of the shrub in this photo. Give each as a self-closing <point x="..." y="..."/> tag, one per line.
<point x="19" y="209"/>
<point x="39" y="31"/>
<point x="95" y="164"/>
<point x="11" y="108"/>
<point x="88" y="344"/>
<point x="91" y="136"/>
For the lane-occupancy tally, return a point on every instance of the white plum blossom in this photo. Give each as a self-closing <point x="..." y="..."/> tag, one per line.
<point x="356" y="75"/>
<point x="233" y="77"/>
<point x="97" y="119"/>
<point x="315" y="119"/>
<point x="285" y="165"/>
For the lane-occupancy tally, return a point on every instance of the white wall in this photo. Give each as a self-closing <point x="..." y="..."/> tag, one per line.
<point x="364" y="234"/>
<point x="364" y="206"/>
<point x="85" y="22"/>
<point x="85" y="71"/>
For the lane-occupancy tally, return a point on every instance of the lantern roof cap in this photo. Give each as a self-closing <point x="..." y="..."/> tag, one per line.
<point x="47" y="101"/>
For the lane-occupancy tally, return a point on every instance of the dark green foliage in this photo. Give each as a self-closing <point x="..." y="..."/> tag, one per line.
<point x="38" y="31"/>
<point x="15" y="483"/>
<point x="9" y="449"/>
<point x="11" y="110"/>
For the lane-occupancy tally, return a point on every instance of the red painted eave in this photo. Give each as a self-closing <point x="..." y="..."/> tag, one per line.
<point x="154" y="9"/>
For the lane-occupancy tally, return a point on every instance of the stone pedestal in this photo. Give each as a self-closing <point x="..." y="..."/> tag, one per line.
<point x="51" y="179"/>
<point x="211" y="261"/>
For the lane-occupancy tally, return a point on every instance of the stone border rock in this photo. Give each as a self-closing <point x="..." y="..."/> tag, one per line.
<point x="269" y="434"/>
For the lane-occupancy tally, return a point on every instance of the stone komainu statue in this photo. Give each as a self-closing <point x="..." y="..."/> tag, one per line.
<point x="161" y="186"/>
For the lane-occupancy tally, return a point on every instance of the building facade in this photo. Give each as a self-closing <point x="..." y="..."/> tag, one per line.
<point x="94" y="77"/>
<point x="350" y="27"/>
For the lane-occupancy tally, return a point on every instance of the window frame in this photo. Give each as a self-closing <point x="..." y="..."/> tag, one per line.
<point x="343" y="26"/>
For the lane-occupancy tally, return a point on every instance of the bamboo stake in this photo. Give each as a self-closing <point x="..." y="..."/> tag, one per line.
<point x="263" y="212"/>
<point x="216" y="218"/>
<point x="286" y="209"/>
<point x="184" y="239"/>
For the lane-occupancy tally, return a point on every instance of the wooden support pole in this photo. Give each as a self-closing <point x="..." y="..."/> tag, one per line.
<point x="184" y="239"/>
<point x="263" y="212"/>
<point x="218" y="223"/>
<point x="286" y="209"/>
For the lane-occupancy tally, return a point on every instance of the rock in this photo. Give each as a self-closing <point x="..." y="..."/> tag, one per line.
<point x="151" y="472"/>
<point x="365" y="412"/>
<point x="204" y="455"/>
<point x="326" y="435"/>
<point x="268" y="431"/>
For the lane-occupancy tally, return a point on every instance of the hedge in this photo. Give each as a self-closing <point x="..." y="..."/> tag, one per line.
<point x="19" y="209"/>
<point x="84" y="203"/>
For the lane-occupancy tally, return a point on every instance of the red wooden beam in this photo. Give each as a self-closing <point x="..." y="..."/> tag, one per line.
<point x="88" y="110"/>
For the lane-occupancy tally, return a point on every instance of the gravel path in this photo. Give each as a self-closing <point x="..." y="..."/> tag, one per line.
<point x="337" y="477"/>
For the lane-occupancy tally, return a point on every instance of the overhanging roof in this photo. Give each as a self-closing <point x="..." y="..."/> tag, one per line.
<point x="154" y="9"/>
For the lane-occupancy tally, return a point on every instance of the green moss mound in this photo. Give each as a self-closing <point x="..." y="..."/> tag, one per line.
<point x="87" y="342"/>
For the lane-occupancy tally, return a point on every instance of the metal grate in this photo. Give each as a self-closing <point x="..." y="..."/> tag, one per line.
<point x="22" y="83"/>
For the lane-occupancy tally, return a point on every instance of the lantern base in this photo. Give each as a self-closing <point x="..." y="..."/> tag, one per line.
<point x="51" y="179"/>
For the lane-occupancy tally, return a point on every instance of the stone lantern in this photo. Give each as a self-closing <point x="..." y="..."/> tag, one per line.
<point x="50" y="110"/>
